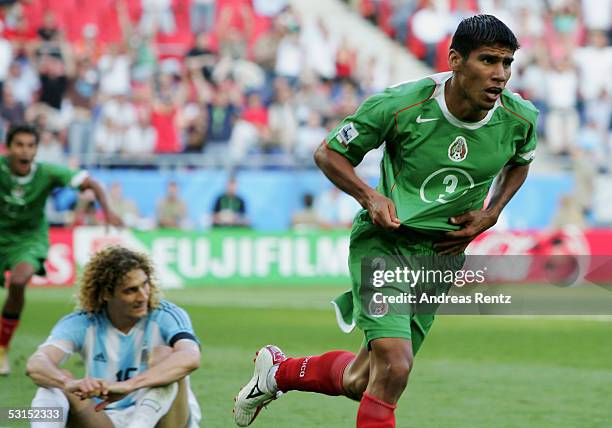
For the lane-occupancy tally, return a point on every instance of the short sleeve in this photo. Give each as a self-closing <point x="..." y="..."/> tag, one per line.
<point x="526" y="137"/>
<point x="64" y="177"/>
<point x="69" y="333"/>
<point x="363" y="131"/>
<point x="174" y="324"/>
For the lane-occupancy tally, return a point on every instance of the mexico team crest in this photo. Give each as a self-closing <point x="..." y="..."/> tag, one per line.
<point x="458" y="149"/>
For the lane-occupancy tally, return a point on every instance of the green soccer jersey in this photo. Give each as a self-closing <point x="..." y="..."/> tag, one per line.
<point x="434" y="165"/>
<point x="22" y="199"/>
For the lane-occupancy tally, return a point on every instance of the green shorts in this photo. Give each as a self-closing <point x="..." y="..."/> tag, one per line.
<point x="32" y="251"/>
<point x="368" y="240"/>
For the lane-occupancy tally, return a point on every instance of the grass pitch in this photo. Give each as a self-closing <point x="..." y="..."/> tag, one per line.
<point x="476" y="372"/>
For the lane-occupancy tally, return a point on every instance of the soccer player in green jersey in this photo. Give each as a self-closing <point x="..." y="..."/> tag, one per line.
<point x="446" y="138"/>
<point x="24" y="231"/>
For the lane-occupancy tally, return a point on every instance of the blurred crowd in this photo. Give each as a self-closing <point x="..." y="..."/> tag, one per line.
<point x="564" y="64"/>
<point x="564" y="67"/>
<point x="138" y="80"/>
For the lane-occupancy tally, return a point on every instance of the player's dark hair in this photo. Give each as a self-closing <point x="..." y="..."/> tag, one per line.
<point x="21" y="128"/>
<point x="106" y="270"/>
<point x="482" y="30"/>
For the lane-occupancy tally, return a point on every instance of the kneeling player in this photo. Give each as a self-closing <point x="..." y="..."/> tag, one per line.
<point x="138" y="352"/>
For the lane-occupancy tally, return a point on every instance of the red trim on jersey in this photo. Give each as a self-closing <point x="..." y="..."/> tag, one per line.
<point x="395" y="117"/>
<point x="516" y="114"/>
<point x="413" y="105"/>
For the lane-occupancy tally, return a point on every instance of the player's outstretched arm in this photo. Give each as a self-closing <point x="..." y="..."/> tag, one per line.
<point x="473" y="223"/>
<point x="109" y="215"/>
<point x="184" y="358"/>
<point x="340" y="172"/>
<point x="43" y="368"/>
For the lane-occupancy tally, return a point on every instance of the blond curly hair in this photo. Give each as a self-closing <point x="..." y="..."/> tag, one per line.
<point x="106" y="270"/>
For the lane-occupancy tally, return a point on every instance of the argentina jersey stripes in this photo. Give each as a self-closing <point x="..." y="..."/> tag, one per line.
<point x="116" y="356"/>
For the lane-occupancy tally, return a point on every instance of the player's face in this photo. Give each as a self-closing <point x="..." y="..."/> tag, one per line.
<point x="21" y="153"/>
<point x="483" y="75"/>
<point x="131" y="299"/>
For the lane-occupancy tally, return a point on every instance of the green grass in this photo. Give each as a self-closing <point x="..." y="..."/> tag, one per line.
<point x="472" y="371"/>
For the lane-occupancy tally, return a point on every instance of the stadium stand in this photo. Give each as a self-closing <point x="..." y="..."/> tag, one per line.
<point x="121" y="84"/>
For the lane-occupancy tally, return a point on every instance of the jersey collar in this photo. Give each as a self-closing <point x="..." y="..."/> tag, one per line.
<point x="438" y="95"/>
<point x="17" y="178"/>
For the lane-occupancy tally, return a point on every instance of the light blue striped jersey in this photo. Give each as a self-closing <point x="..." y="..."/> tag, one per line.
<point x="116" y="356"/>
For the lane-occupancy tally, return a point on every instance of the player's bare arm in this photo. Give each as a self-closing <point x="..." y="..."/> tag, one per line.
<point x="110" y="217"/>
<point x="340" y="172"/>
<point x="43" y="368"/>
<point x="184" y="359"/>
<point x="473" y="223"/>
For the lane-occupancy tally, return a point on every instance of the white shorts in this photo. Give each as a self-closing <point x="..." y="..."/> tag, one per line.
<point x="121" y="417"/>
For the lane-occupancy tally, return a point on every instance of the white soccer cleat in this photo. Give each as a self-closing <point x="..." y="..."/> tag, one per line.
<point x="255" y="395"/>
<point x="5" y="368"/>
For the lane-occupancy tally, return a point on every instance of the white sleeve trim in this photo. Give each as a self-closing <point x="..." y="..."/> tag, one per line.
<point x="78" y="179"/>
<point x="346" y="328"/>
<point x="59" y="345"/>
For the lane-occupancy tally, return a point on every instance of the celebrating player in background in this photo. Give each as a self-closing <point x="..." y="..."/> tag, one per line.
<point x="24" y="232"/>
<point x="447" y="137"/>
<point x="137" y="351"/>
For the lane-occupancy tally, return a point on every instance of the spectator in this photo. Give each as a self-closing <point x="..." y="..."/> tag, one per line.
<point x="114" y="68"/>
<point x="594" y="63"/>
<point x="222" y="105"/>
<point x="269" y="8"/>
<point x="141" y="139"/>
<point x="85" y="212"/>
<point x="81" y="94"/>
<point x="11" y="110"/>
<point x="202" y="16"/>
<point x="6" y="55"/>
<point x="229" y="209"/>
<point x="308" y="137"/>
<point x="430" y="25"/>
<point x="202" y="56"/>
<point x="307" y="218"/>
<point x="282" y="119"/>
<point x="289" y="56"/>
<point x="171" y="210"/>
<point x="50" y="149"/>
<point x="336" y="209"/>
<point x="235" y="27"/>
<point x="125" y="208"/>
<point x="569" y="213"/>
<point x="23" y="81"/>
<point x="250" y="130"/>
<point x="118" y="115"/>
<point x="53" y="80"/>
<point x="50" y="36"/>
<point x="562" y="97"/>
<point x="320" y="49"/>
<point x="346" y="60"/>
<point x="157" y="14"/>
<point x="192" y="122"/>
<point x="597" y="14"/>
<point x="266" y="47"/>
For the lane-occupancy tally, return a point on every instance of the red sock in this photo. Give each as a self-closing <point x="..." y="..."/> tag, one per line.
<point x="7" y="328"/>
<point x="322" y="374"/>
<point x="375" y="413"/>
